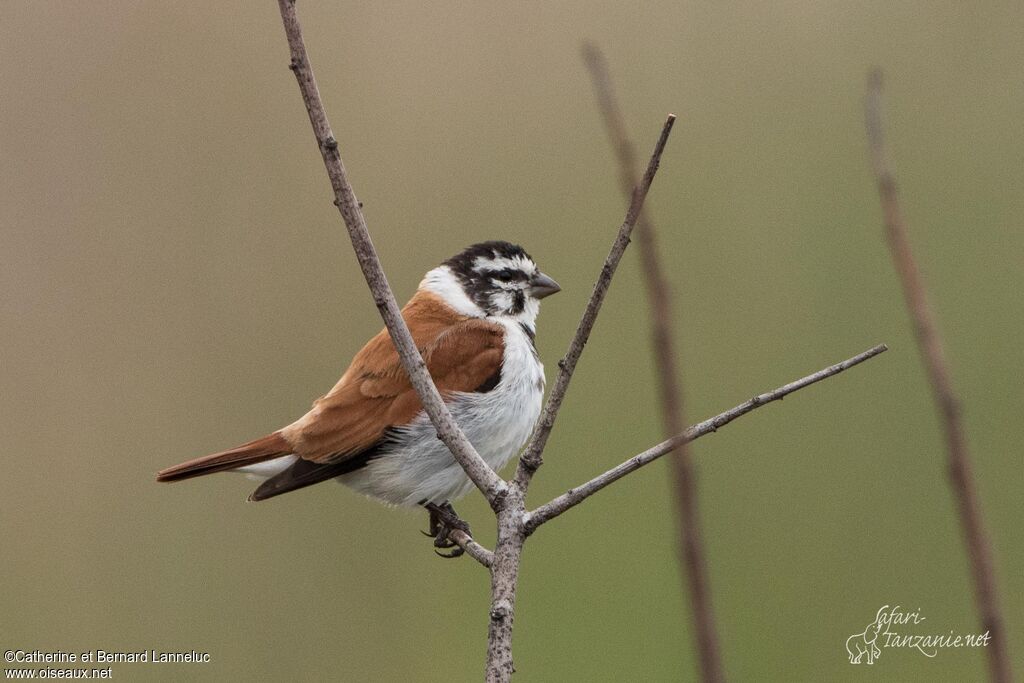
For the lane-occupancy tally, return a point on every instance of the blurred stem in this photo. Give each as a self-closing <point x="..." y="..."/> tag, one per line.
<point x="532" y="459"/>
<point x="979" y="552"/>
<point x="690" y="542"/>
<point x="512" y="531"/>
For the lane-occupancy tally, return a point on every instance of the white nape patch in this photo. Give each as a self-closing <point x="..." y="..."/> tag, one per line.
<point x="267" y="468"/>
<point x="442" y="281"/>
<point x="482" y="264"/>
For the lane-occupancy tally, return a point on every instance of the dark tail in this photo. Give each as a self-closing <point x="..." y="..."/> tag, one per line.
<point x="265" y="448"/>
<point x="303" y="473"/>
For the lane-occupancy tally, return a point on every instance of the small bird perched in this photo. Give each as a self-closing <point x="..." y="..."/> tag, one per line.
<point x="473" y="319"/>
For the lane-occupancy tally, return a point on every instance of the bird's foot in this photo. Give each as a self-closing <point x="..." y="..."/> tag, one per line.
<point x="444" y="520"/>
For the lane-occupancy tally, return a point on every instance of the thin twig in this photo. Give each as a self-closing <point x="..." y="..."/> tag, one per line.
<point x="531" y="458"/>
<point x="961" y="480"/>
<point x="577" y="495"/>
<point x="511" y="532"/>
<point x="472" y="548"/>
<point x="684" y="485"/>
<point x="489" y="483"/>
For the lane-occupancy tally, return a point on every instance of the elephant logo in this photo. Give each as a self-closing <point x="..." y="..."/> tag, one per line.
<point x="860" y="644"/>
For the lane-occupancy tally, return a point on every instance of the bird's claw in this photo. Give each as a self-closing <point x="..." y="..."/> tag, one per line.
<point x="444" y="520"/>
<point x="442" y="541"/>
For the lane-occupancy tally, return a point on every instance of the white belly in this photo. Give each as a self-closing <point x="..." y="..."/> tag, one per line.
<point x="416" y="466"/>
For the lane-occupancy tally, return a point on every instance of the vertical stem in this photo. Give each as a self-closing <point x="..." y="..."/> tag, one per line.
<point x="684" y="485"/>
<point x="504" y="579"/>
<point x="531" y="458"/>
<point x="979" y="552"/>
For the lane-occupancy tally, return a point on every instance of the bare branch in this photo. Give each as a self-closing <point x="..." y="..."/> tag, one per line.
<point x="575" y="496"/>
<point x="472" y="548"/>
<point x="683" y="481"/>
<point x="514" y="524"/>
<point x="531" y="457"/>
<point x="511" y="532"/>
<point x="485" y="479"/>
<point x="929" y="343"/>
<point x="508" y="551"/>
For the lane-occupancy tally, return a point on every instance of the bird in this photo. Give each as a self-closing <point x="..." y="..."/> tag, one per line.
<point x="473" y="319"/>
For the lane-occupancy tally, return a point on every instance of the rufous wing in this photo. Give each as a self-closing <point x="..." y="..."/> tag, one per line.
<point x="462" y="354"/>
<point x="375" y="393"/>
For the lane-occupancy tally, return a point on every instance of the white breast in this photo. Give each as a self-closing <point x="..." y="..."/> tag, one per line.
<point x="416" y="466"/>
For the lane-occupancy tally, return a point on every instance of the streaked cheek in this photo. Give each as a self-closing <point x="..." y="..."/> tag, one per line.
<point x="502" y="300"/>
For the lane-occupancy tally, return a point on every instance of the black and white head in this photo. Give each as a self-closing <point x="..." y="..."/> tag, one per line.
<point x="492" y="279"/>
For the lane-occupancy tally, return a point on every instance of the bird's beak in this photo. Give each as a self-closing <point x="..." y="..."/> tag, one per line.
<point x="542" y="286"/>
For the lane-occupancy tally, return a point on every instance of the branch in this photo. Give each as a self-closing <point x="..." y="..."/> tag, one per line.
<point x="472" y="548"/>
<point x="511" y="530"/>
<point x="505" y="566"/>
<point x="531" y="458"/>
<point x="575" y="496"/>
<point x="485" y="479"/>
<point x="684" y="485"/>
<point x="929" y="344"/>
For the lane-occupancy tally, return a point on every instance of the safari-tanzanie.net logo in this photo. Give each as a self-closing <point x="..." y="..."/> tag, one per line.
<point x="896" y="628"/>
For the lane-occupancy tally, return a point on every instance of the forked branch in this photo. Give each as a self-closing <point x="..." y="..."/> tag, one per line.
<point x="511" y="531"/>
<point x="514" y="524"/>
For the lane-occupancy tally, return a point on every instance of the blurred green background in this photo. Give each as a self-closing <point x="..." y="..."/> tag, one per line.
<point x="175" y="280"/>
